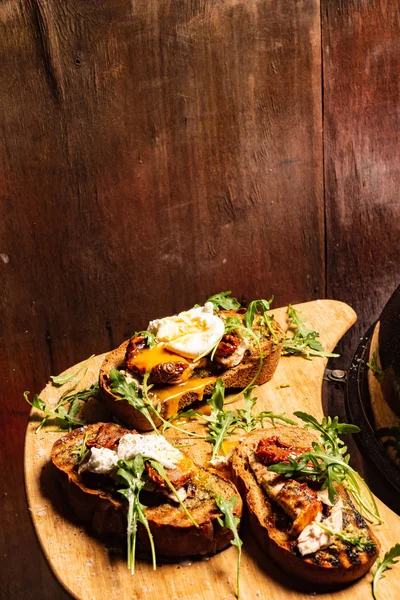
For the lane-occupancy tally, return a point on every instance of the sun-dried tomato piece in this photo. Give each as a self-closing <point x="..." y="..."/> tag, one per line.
<point x="273" y="450"/>
<point x="107" y="437"/>
<point x="135" y="344"/>
<point x="227" y="346"/>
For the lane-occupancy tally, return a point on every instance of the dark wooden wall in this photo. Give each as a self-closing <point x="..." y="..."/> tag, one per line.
<point x="154" y="152"/>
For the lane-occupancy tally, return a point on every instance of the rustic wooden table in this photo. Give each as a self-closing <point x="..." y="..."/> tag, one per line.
<point x="156" y="152"/>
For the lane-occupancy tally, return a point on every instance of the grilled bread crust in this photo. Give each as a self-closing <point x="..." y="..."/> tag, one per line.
<point x="173" y="533"/>
<point x="234" y="377"/>
<point x="326" y="569"/>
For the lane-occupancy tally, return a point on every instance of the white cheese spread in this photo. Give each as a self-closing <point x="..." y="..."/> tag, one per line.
<point x="190" y="333"/>
<point x="314" y="538"/>
<point x="101" y="461"/>
<point x="150" y="446"/>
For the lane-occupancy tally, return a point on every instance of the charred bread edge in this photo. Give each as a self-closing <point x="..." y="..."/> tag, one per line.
<point x="258" y="506"/>
<point x="107" y="516"/>
<point x="235" y="377"/>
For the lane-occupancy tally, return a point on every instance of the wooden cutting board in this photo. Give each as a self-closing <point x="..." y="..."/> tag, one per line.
<point x="90" y="571"/>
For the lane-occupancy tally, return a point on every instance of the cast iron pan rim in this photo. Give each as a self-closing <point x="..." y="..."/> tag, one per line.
<point x="357" y="405"/>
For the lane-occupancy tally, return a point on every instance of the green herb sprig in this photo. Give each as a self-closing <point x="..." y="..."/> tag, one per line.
<point x="304" y="340"/>
<point x="219" y="421"/>
<point x="358" y="541"/>
<point x="80" y="453"/>
<point x="245" y="418"/>
<point x="60" y="414"/>
<point x="222" y="424"/>
<point x="59" y="380"/>
<point x="67" y="408"/>
<point x="133" y="475"/>
<point x="261" y="307"/>
<point x="149" y="337"/>
<point x="231" y="522"/>
<point x="330" y="464"/>
<point x="385" y="565"/>
<point x="138" y="398"/>
<point x="224" y="300"/>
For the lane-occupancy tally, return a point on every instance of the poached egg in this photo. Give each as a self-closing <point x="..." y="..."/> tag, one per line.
<point x="191" y="333"/>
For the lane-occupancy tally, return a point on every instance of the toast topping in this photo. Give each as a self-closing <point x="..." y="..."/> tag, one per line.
<point x="298" y="500"/>
<point x="314" y="538"/>
<point x="164" y="366"/>
<point x="191" y="333"/>
<point x="102" y="461"/>
<point x="230" y="351"/>
<point x="150" y="446"/>
<point x="273" y="450"/>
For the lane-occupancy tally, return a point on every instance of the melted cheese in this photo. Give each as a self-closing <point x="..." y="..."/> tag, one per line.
<point x="173" y="393"/>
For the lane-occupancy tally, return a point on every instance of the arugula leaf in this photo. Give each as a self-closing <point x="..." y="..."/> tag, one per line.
<point x="133" y="395"/>
<point x="161" y="471"/>
<point x="374" y="367"/>
<point x="358" y="540"/>
<point x="59" y="380"/>
<point x="304" y="340"/>
<point x="261" y="307"/>
<point x="231" y="522"/>
<point x="385" y="565"/>
<point x="138" y="397"/>
<point x="219" y="422"/>
<point x="224" y="300"/>
<point x="132" y="474"/>
<point x="330" y="464"/>
<point x="245" y="419"/>
<point x="59" y="413"/>
<point x="150" y="337"/>
<point x="82" y="449"/>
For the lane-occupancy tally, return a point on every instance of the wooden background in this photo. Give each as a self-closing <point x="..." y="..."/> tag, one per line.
<point x="155" y="152"/>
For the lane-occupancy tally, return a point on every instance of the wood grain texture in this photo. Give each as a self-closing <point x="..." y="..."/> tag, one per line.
<point x="70" y="550"/>
<point x="360" y="41"/>
<point x="155" y="152"/>
<point x="149" y="152"/>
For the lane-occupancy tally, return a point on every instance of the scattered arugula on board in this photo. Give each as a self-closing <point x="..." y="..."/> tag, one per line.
<point x="59" y="380"/>
<point x="231" y="522"/>
<point x="304" y="340"/>
<point x="221" y="423"/>
<point x="139" y="398"/>
<point x="384" y="565"/>
<point x="374" y="367"/>
<point x="330" y="464"/>
<point x="70" y="403"/>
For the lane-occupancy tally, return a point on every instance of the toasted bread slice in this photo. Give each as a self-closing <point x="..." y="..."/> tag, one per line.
<point x="173" y="533"/>
<point x="238" y="376"/>
<point x="331" y="567"/>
